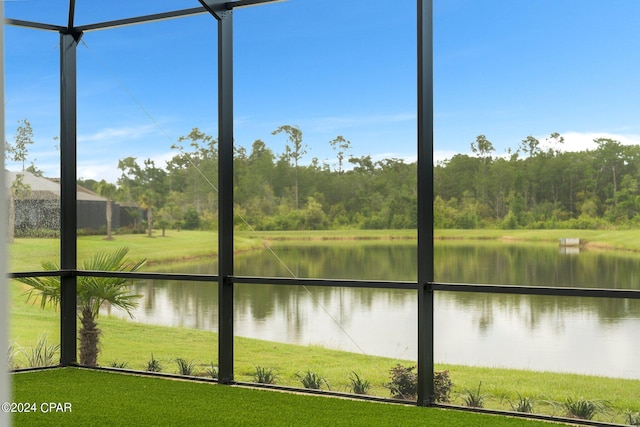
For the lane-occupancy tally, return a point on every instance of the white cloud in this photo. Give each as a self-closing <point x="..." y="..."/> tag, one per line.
<point x="581" y="141"/>
<point x="112" y="135"/>
<point x="98" y="171"/>
<point x="106" y="168"/>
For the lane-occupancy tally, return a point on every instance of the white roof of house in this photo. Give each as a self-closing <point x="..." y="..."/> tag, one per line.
<point x="46" y="188"/>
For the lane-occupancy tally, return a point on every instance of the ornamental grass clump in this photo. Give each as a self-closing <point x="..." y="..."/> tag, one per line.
<point x="212" y="371"/>
<point x="153" y="365"/>
<point x="632" y="418"/>
<point x="312" y="380"/>
<point x="473" y="398"/>
<point x="522" y="404"/>
<point x="43" y="354"/>
<point x="264" y="375"/>
<point x="358" y="385"/>
<point x="117" y="364"/>
<point x="185" y="367"/>
<point x="12" y="351"/>
<point x="585" y="409"/>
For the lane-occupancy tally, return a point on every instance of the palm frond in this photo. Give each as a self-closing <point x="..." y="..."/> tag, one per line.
<point x="47" y="288"/>
<point x="92" y="291"/>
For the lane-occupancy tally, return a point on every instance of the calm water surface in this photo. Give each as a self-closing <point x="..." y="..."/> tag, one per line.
<point x="561" y="334"/>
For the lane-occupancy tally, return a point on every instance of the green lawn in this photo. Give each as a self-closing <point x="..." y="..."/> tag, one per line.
<point x="133" y="343"/>
<point x="105" y="398"/>
<point x="27" y="254"/>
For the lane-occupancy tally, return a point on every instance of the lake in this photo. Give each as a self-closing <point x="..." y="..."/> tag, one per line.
<point x="581" y="335"/>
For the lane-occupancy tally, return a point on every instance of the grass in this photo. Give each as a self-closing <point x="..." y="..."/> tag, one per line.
<point x="625" y="240"/>
<point x="105" y="398"/>
<point x="27" y="254"/>
<point x="133" y="343"/>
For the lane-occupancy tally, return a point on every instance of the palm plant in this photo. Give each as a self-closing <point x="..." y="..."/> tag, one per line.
<point x="108" y="191"/>
<point x="92" y="293"/>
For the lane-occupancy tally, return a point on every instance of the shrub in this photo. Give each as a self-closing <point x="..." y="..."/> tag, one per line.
<point x="191" y="219"/>
<point x="358" y="385"/>
<point x="404" y="382"/>
<point x="264" y="375"/>
<point x="39" y="233"/>
<point x="312" y="380"/>
<point x="442" y="386"/>
<point x="153" y="365"/>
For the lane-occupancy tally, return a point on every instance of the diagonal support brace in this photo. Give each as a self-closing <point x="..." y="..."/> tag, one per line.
<point x="222" y="8"/>
<point x="218" y="8"/>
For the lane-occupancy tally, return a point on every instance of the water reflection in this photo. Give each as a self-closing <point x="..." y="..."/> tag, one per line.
<point x="583" y="335"/>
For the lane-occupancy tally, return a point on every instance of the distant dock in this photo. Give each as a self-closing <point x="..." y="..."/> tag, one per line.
<point x="570" y="242"/>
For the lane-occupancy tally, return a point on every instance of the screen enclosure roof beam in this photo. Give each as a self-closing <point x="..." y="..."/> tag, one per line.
<point x="128" y="21"/>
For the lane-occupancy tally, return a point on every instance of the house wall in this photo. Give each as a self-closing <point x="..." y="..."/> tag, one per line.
<point x="44" y="214"/>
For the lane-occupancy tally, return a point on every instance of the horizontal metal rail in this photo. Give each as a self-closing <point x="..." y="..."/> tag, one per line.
<point x="35" y="25"/>
<point x="323" y="282"/>
<point x="133" y="20"/>
<point x="108" y="24"/>
<point x="347" y="283"/>
<point x="122" y="274"/>
<point x="538" y="290"/>
<point x="243" y="3"/>
<point x="142" y="19"/>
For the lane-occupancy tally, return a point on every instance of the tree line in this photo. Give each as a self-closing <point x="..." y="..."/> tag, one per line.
<point x="271" y="191"/>
<point x="534" y="185"/>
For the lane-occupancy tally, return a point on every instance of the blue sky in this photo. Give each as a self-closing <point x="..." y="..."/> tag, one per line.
<point x="505" y="69"/>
